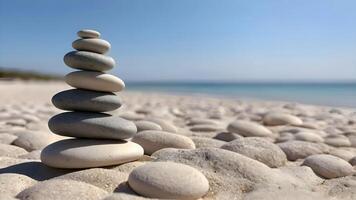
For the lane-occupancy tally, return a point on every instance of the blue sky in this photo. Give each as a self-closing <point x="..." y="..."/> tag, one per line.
<point x="231" y="40"/>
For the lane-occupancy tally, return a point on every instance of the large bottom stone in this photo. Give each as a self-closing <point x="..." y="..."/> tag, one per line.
<point x="86" y="153"/>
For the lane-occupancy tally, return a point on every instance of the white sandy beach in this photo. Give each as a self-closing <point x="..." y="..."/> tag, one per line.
<point x="301" y="151"/>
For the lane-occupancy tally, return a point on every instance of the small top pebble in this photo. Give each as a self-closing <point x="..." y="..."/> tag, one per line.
<point x="87" y="33"/>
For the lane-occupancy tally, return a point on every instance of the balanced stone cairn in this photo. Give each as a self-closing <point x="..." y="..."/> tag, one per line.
<point x="98" y="137"/>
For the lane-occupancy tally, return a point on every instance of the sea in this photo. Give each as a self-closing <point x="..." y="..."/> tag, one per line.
<point x="326" y="94"/>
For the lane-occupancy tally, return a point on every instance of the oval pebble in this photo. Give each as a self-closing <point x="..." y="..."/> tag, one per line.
<point x="11" y="183"/>
<point x="165" y="125"/>
<point x="86" y="60"/>
<point x="168" y="180"/>
<point x="86" y="153"/>
<point x="87" y="33"/>
<point x="105" y="179"/>
<point x="275" y="119"/>
<point x="11" y="150"/>
<point x="301" y="149"/>
<point x="59" y="189"/>
<point x="328" y="166"/>
<point x="96" y="81"/>
<point x="152" y="141"/>
<point x="258" y="149"/>
<point x="86" y="100"/>
<point x="143" y="125"/>
<point x="308" y="136"/>
<point x="91" y="125"/>
<point x="248" y="129"/>
<point x="92" y="45"/>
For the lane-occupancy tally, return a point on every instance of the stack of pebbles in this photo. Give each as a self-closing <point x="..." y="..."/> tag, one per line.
<point x="98" y="137"/>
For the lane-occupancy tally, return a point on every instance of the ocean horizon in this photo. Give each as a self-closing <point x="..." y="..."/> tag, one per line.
<point x="342" y="94"/>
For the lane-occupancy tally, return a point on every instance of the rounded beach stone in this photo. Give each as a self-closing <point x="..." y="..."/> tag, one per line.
<point x="11" y="184"/>
<point x="152" y="141"/>
<point x="86" y="153"/>
<point x="202" y="142"/>
<point x="86" y="60"/>
<point x="328" y="166"/>
<point x="96" y="81"/>
<point x="308" y="136"/>
<point x="11" y="150"/>
<point x="143" y="125"/>
<point x="353" y="161"/>
<point x="248" y="129"/>
<point x="205" y="128"/>
<point x="92" y="45"/>
<point x="86" y="100"/>
<point x="165" y="125"/>
<point x="275" y="119"/>
<point x="168" y="180"/>
<point x="338" y="141"/>
<point x="87" y="33"/>
<point x="59" y="189"/>
<point x="105" y="179"/>
<point x="227" y="136"/>
<point x="258" y="149"/>
<point x="31" y="140"/>
<point x="7" y="138"/>
<point x="91" y="125"/>
<point x="301" y="149"/>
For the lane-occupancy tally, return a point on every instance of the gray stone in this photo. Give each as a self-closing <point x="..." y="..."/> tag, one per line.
<point x="168" y="180"/>
<point x="92" y="45"/>
<point x="248" y="129"/>
<point x="91" y="125"/>
<point x="353" y="161"/>
<point x="205" y="128"/>
<point x="328" y="166"/>
<point x="86" y="100"/>
<point x="86" y="153"/>
<point x="258" y="149"/>
<point x="31" y="140"/>
<point x="143" y="125"/>
<point x="88" y="61"/>
<point x="301" y="149"/>
<point x="152" y="141"/>
<point x="275" y="119"/>
<point x="227" y="136"/>
<point x="338" y="141"/>
<point x="202" y="142"/>
<point x="165" y="125"/>
<point x="308" y="136"/>
<point x="87" y="33"/>
<point x="96" y="81"/>
<point x="59" y="189"/>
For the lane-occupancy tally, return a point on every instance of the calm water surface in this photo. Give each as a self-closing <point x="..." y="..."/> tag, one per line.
<point x="330" y="94"/>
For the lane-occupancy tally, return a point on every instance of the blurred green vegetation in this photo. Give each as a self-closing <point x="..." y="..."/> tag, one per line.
<point x="26" y="75"/>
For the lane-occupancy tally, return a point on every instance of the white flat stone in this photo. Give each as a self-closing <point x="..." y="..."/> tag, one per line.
<point x="87" y="33"/>
<point x="328" y="166"/>
<point x="92" y="45"/>
<point x="86" y="153"/>
<point x="275" y="119"/>
<point x="96" y="81"/>
<point x="152" y="141"/>
<point x="248" y="129"/>
<point x="168" y="180"/>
